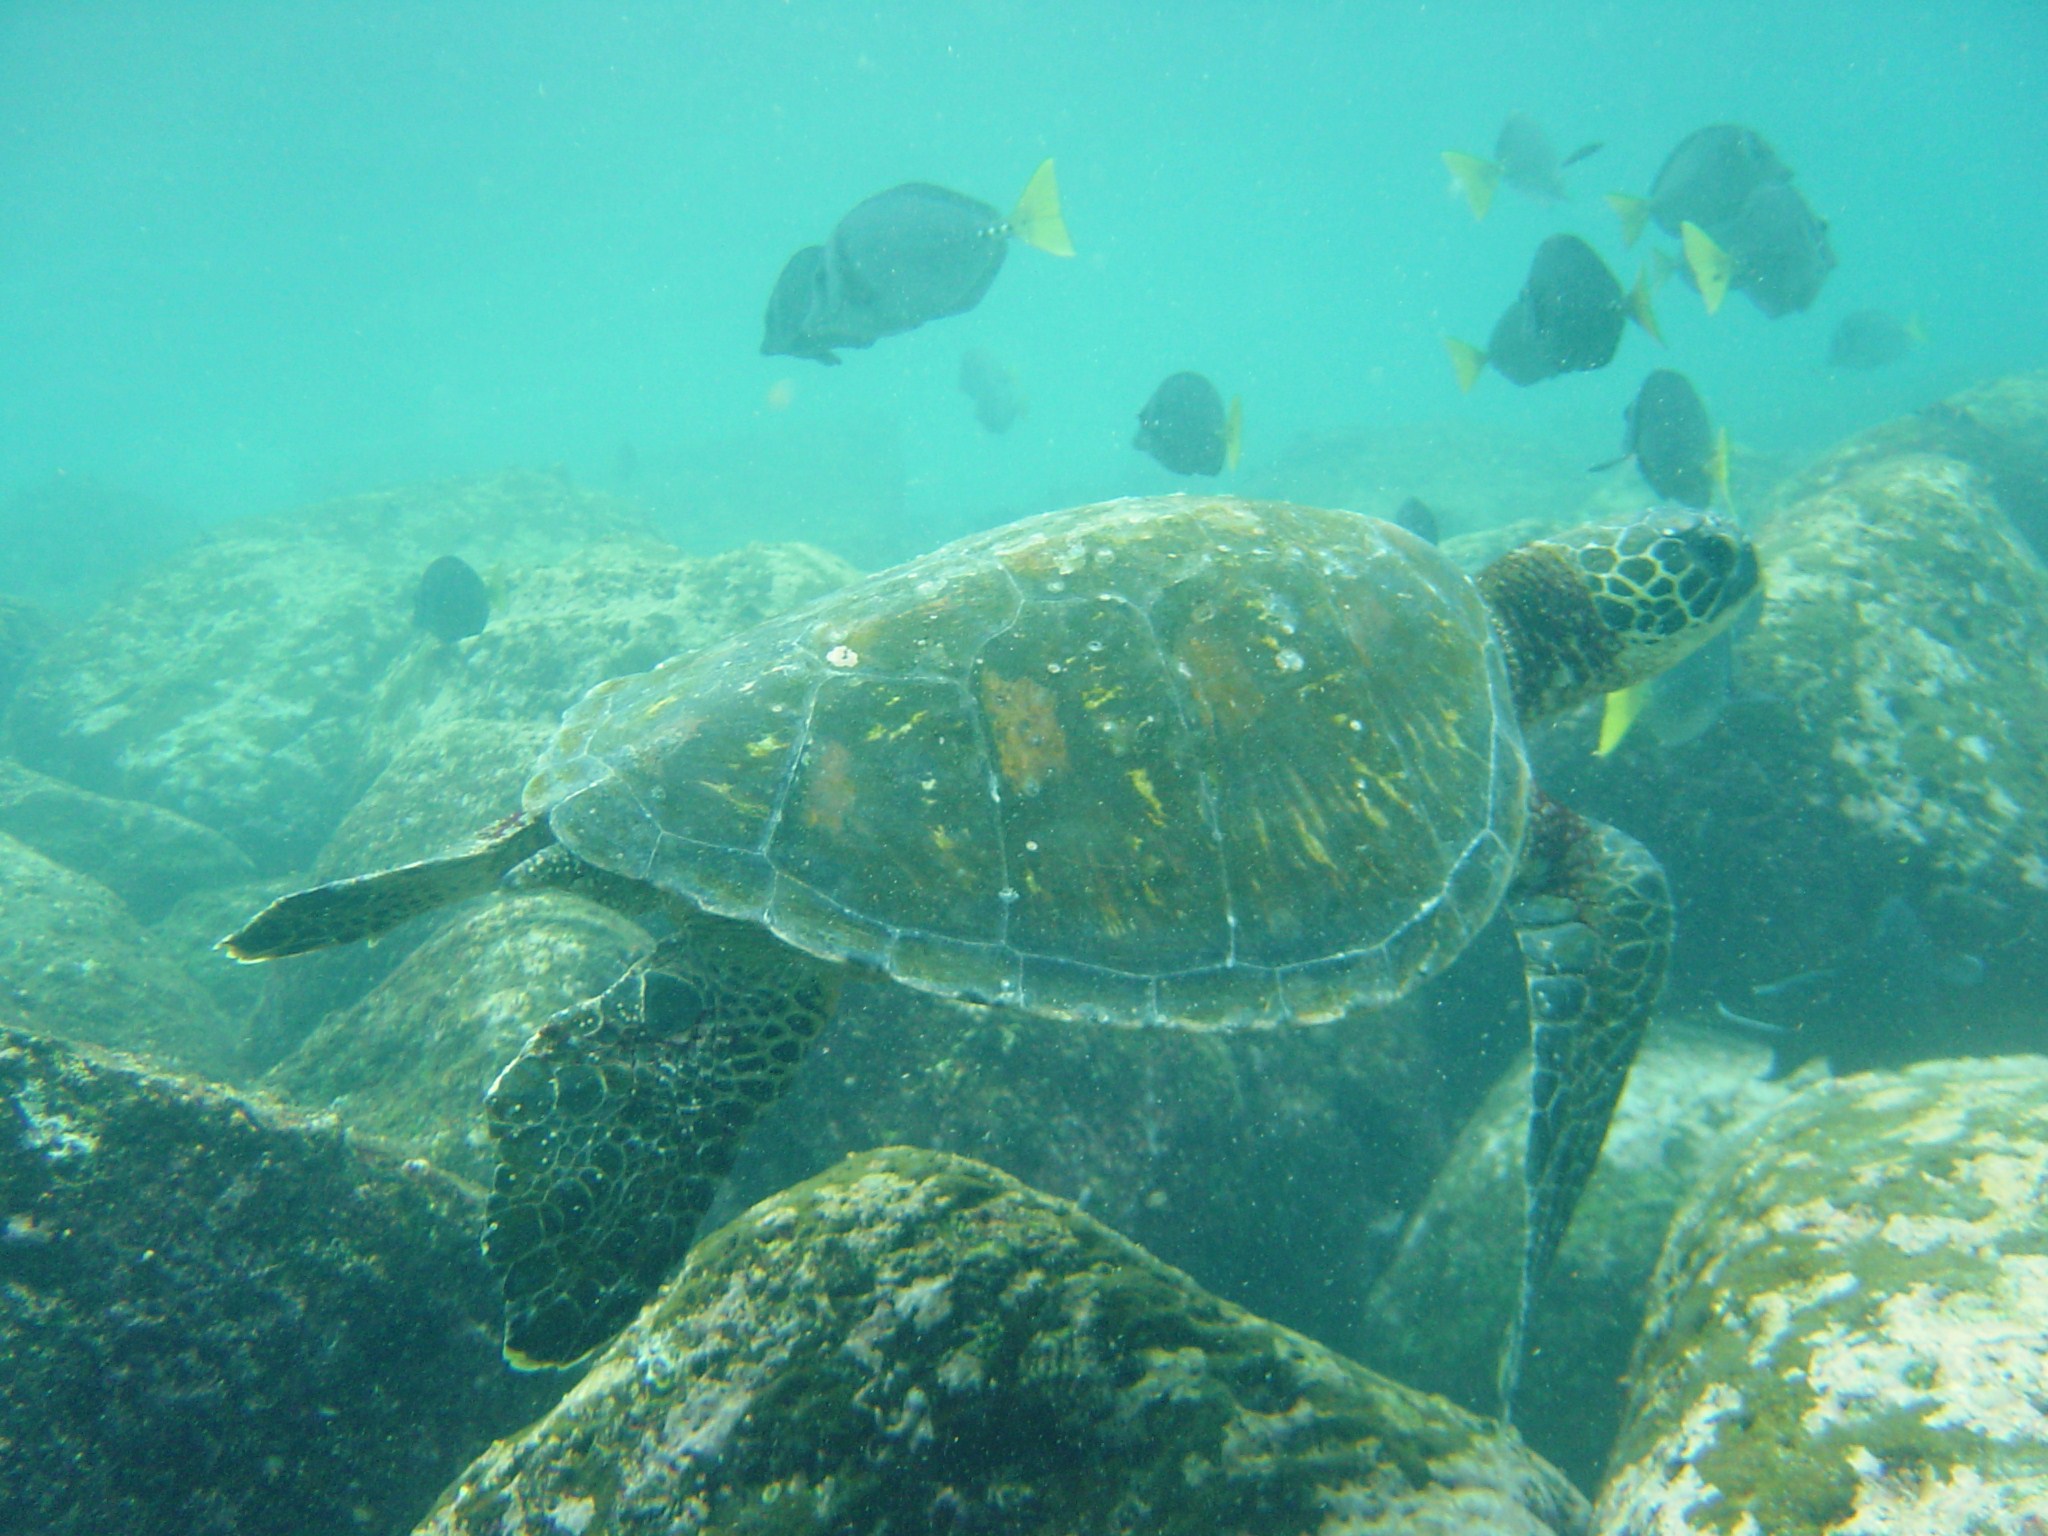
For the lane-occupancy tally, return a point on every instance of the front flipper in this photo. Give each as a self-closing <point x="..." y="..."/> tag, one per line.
<point x="616" y="1122"/>
<point x="1593" y="915"/>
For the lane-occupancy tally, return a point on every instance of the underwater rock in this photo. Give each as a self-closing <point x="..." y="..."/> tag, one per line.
<point x="190" y="933"/>
<point x="147" y="856"/>
<point x="915" y="1341"/>
<point x="218" y="1316"/>
<point x="1438" y="1315"/>
<point x="231" y="684"/>
<point x="1999" y="428"/>
<point x="612" y="607"/>
<point x="24" y="629"/>
<point x="1847" y="1330"/>
<point x="75" y="964"/>
<point x="410" y="1062"/>
<point x="1887" y="750"/>
<point x="1330" y="1133"/>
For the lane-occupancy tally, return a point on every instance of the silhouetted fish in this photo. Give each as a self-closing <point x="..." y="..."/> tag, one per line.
<point x="1522" y="157"/>
<point x="903" y="257"/>
<point x="1416" y="516"/>
<point x="451" y="603"/>
<point x="1186" y="427"/>
<point x="993" y="389"/>
<point x="1567" y="319"/>
<point x="1667" y="431"/>
<point x="1871" y="338"/>
<point x="1704" y="181"/>
<point x="1778" y="249"/>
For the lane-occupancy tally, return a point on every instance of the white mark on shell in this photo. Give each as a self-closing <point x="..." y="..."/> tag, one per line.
<point x="842" y="656"/>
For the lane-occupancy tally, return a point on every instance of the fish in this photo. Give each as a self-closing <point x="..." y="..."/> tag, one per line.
<point x="1706" y="181"/>
<point x="1667" y="431"/>
<point x="1523" y="157"/>
<point x="1683" y="702"/>
<point x="1776" y="250"/>
<point x="451" y="602"/>
<point x="1567" y="319"/>
<point x="901" y="259"/>
<point x="992" y="387"/>
<point x="1873" y="338"/>
<point x="1187" y="428"/>
<point x="1418" y="518"/>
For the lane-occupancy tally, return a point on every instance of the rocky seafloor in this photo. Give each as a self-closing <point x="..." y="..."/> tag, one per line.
<point x="238" y="1271"/>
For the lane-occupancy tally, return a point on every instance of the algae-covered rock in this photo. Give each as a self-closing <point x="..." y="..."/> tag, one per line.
<point x="613" y="607"/>
<point x="1871" y="819"/>
<point x="2000" y="429"/>
<point x="917" y="1342"/>
<point x="1218" y="1152"/>
<point x="1847" y="1330"/>
<point x="232" y="683"/>
<point x="220" y="1317"/>
<point x="411" y="1061"/>
<point x="190" y="933"/>
<point x="76" y="963"/>
<point x="1439" y="1313"/>
<point x="147" y="856"/>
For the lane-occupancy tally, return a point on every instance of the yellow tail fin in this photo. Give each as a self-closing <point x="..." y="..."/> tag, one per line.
<point x="1711" y="266"/>
<point x="1634" y="213"/>
<point x="1467" y="359"/>
<point x="1916" y="331"/>
<point x="1478" y="179"/>
<point x="1233" y="432"/>
<point x="1619" y="713"/>
<point x="1662" y="265"/>
<point x="1036" y="218"/>
<point x="1640" y="307"/>
<point x="1717" y="470"/>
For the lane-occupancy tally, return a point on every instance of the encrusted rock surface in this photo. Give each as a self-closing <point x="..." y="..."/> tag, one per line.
<point x="74" y="961"/>
<point x="1848" y="1330"/>
<point x="1889" y="746"/>
<point x="216" y="1316"/>
<point x="147" y="856"/>
<point x="23" y="630"/>
<point x="1439" y="1313"/>
<point x="917" y="1342"/>
<point x="1275" y="1167"/>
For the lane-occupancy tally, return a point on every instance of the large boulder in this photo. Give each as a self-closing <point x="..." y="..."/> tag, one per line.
<point x="1862" y="837"/>
<point x="75" y="962"/>
<point x="1847" y="1330"/>
<point x="232" y="684"/>
<point x="917" y="1342"/>
<point x="217" y="1316"/>
<point x="149" y="857"/>
<point x="2000" y="429"/>
<point x="1218" y="1152"/>
<point x="1438" y="1315"/>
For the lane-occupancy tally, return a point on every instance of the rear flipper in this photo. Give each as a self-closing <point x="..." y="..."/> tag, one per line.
<point x="1593" y="915"/>
<point x="616" y="1122"/>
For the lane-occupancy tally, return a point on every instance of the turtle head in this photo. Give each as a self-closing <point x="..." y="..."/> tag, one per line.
<point x="1599" y="608"/>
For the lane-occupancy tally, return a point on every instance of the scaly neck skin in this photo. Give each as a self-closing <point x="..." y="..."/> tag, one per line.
<point x="1559" y="653"/>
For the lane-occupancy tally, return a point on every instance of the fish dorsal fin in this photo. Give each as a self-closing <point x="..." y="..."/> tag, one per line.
<point x="1467" y="359"/>
<point x="1641" y="308"/>
<point x="1621" y="710"/>
<point x="1634" y="213"/>
<point x="1712" y="267"/>
<point x="1036" y="219"/>
<point x="1233" y="432"/>
<point x="1478" y="179"/>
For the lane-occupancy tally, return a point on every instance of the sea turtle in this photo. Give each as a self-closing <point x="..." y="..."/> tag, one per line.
<point x="1186" y="760"/>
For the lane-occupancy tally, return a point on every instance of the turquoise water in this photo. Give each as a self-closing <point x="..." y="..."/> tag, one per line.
<point x="356" y="287"/>
<point x="256" y="255"/>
